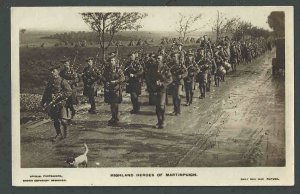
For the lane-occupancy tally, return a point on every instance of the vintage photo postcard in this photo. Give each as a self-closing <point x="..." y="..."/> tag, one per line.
<point x="152" y="96"/>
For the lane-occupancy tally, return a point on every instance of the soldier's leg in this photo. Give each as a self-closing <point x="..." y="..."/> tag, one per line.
<point x="191" y="92"/>
<point x="117" y="112"/>
<point x="57" y="126"/>
<point x="58" y="135"/>
<point x="162" y="104"/>
<point x="113" y="113"/>
<point x="93" y="104"/>
<point x="179" y="89"/>
<point x="174" y="99"/>
<point x="157" y="111"/>
<point x="135" y="102"/>
<point x="187" y="93"/>
<point x="64" y="123"/>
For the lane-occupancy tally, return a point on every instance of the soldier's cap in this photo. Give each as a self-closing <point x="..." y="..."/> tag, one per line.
<point x="153" y="55"/>
<point x="65" y="59"/>
<point x="111" y="55"/>
<point x="200" y="49"/>
<point x="131" y="53"/>
<point x="174" y="53"/>
<point x="51" y="68"/>
<point x="89" y="58"/>
<point x="190" y="52"/>
<point x="179" y="44"/>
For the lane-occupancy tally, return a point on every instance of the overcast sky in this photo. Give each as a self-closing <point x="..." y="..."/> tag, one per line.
<point x="158" y="19"/>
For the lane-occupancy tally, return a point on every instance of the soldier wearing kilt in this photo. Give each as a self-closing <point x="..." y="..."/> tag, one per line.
<point x="178" y="71"/>
<point x="133" y="72"/>
<point x="54" y="99"/>
<point x="69" y="74"/>
<point x="90" y="76"/>
<point x="202" y="76"/>
<point x="233" y="56"/>
<point x="158" y="82"/>
<point x="190" y="78"/>
<point x="113" y="78"/>
<point x="211" y="69"/>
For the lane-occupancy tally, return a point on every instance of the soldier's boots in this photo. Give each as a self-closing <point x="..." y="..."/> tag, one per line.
<point x="57" y="137"/>
<point x="113" y="122"/>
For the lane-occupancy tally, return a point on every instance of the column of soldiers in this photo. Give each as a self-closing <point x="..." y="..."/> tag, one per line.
<point x="173" y="72"/>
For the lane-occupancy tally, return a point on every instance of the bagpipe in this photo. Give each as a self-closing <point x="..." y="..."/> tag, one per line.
<point x="56" y="101"/>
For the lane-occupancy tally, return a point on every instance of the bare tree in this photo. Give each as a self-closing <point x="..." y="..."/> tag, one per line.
<point x="186" y="24"/>
<point x="222" y="24"/>
<point x="108" y="24"/>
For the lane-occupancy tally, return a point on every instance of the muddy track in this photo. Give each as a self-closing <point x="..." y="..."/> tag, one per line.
<point x="240" y="123"/>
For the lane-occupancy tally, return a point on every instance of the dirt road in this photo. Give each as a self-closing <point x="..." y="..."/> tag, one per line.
<point x="240" y="123"/>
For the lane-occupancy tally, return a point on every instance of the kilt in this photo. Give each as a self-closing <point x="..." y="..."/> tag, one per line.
<point x="89" y="91"/>
<point x="159" y="98"/>
<point x="59" y="111"/>
<point x="202" y="77"/>
<point x="113" y="96"/>
<point x="134" y="87"/>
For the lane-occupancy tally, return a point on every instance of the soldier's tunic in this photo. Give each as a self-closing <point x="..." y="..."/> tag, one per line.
<point x="134" y="72"/>
<point x="178" y="73"/>
<point x="55" y="96"/>
<point x="90" y="76"/>
<point x="158" y="82"/>
<point x="189" y="81"/>
<point x="72" y="78"/>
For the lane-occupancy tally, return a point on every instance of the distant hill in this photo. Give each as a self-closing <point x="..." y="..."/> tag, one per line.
<point x="37" y="38"/>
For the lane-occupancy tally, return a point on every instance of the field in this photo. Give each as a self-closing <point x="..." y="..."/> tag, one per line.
<point x="35" y="60"/>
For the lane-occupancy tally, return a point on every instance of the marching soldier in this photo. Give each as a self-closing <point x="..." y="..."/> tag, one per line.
<point x="181" y="53"/>
<point x="202" y="76"/>
<point x="206" y="44"/>
<point x="159" y="80"/>
<point x="178" y="72"/>
<point x="113" y="78"/>
<point x="233" y="56"/>
<point x="189" y="79"/>
<point x="54" y="99"/>
<point x="134" y="72"/>
<point x="69" y="74"/>
<point x="90" y="76"/>
<point x="211" y="69"/>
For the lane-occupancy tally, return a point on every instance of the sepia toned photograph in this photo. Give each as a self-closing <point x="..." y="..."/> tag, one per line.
<point x="179" y="91"/>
